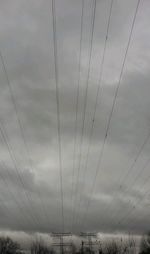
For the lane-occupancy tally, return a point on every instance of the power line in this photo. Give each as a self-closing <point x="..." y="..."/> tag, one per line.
<point x="131" y="168"/>
<point x="136" y="203"/>
<point x="6" y="208"/>
<point x="138" y="175"/>
<point x="141" y="188"/>
<point x="76" y="114"/>
<point x="20" y="178"/>
<point x="97" y="96"/>
<point x="58" y="108"/>
<point x="20" y="124"/>
<point x="22" y="212"/>
<point x="86" y="94"/>
<point x="113" y="105"/>
<point x="140" y="172"/>
<point x="136" y="158"/>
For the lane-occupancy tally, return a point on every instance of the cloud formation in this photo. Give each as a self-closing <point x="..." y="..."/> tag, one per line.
<point x="30" y="200"/>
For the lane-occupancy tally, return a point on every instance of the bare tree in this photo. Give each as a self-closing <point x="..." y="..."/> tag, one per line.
<point x="118" y="247"/>
<point x="74" y="249"/>
<point x="8" y="246"/>
<point x="38" y="247"/>
<point x="145" y="244"/>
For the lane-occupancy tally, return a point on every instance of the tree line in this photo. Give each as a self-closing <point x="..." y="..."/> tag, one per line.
<point x="9" y="246"/>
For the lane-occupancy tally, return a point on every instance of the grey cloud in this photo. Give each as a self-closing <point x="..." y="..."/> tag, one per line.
<point x="27" y="47"/>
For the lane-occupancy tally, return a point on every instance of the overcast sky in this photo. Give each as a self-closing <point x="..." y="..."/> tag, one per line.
<point x="30" y="197"/>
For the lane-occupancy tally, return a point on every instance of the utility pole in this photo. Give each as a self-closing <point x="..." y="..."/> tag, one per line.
<point x="61" y="244"/>
<point x="89" y="241"/>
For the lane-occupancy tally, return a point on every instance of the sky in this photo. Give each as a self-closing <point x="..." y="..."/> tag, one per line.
<point x="105" y="183"/>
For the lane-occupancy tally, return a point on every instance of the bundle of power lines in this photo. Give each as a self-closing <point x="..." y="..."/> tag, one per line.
<point x="77" y="190"/>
